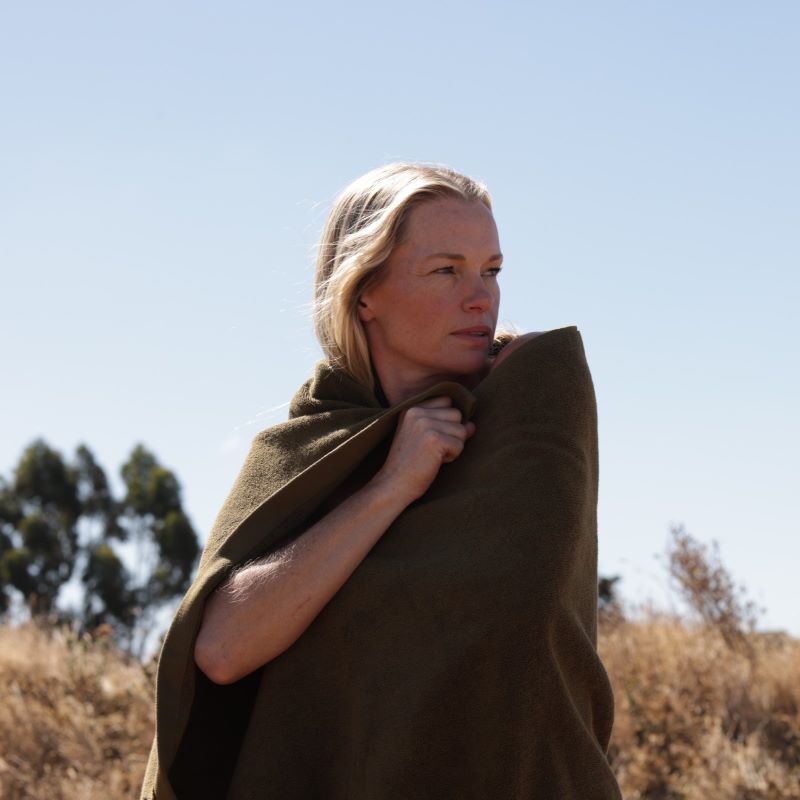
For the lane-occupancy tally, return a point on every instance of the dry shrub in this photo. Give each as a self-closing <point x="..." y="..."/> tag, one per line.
<point x="76" y="719"/>
<point x="703" y="581"/>
<point x="698" y="719"/>
<point x="705" y="707"/>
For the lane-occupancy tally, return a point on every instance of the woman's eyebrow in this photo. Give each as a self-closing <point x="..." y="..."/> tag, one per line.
<point x="458" y="257"/>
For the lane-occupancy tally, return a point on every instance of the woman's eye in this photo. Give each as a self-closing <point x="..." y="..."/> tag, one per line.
<point x="494" y="271"/>
<point x="445" y="270"/>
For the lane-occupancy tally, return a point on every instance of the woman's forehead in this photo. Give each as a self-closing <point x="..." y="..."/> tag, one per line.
<point x="449" y="225"/>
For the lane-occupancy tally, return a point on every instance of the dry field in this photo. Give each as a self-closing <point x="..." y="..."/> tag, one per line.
<point x="698" y="716"/>
<point x="76" y="717"/>
<point x="697" y="719"/>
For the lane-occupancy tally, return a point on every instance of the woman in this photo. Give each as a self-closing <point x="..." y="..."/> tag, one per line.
<point x="387" y="607"/>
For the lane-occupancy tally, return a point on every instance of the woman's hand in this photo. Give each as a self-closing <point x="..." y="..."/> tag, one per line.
<point x="428" y="435"/>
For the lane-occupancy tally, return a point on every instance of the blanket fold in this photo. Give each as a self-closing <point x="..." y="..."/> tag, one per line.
<point x="459" y="659"/>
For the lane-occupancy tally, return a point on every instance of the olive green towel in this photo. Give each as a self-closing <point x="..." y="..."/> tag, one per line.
<point x="459" y="659"/>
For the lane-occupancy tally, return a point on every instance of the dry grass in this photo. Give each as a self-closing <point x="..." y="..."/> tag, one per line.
<point x="705" y="710"/>
<point x="76" y="717"/>
<point x="698" y="719"/>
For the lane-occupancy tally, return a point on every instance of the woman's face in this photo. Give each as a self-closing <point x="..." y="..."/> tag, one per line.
<point x="432" y="315"/>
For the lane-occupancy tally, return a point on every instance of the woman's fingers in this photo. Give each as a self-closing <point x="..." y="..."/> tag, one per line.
<point x="442" y="414"/>
<point x="453" y="447"/>
<point x="435" y="407"/>
<point x="434" y="423"/>
<point x="428" y="435"/>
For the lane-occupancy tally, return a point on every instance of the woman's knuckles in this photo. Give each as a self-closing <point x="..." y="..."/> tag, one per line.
<point x="431" y="412"/>
<point x="423" y="442"/>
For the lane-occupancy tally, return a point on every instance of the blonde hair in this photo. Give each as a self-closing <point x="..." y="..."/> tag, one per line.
<point x="364" y="226"/>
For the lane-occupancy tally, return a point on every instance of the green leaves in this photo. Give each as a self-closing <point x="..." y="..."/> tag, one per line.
<point x="151" y="489"/>
<point x="178" y="548"/>
<point x="43" y="481"/>
<point x="38" y="516"/>
<point x="108" y="593"/>
<point x="131" y="555"/>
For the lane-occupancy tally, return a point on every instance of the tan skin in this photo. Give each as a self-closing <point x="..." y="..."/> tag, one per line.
<point x="430" y="318"/>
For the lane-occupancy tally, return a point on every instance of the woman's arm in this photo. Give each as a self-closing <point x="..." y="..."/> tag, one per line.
<point x="264" y="608"/>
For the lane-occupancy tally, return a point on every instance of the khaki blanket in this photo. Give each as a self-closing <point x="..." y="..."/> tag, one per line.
<point x="459" y="659"/>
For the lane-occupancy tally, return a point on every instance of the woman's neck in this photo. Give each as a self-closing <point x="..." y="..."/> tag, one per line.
<point x="397" y="388"/>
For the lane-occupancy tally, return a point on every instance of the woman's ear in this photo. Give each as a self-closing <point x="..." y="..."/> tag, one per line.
<point x="364" y="312"/>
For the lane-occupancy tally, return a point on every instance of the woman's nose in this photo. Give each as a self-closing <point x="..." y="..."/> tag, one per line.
<point x="478" y="296"/>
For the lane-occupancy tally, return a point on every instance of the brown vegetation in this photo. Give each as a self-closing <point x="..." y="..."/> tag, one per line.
<point x="697" y="720"/>
<point x="705" y="709"/>
<point x="705" y="706"/>
<point x="76" y="717"/>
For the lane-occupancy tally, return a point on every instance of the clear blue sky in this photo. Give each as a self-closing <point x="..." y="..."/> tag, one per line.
<point x="165" y="169"/>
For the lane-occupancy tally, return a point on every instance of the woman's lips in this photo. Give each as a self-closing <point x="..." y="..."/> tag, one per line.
<point x="477" y="330"/>
<point x="478" y="336"/>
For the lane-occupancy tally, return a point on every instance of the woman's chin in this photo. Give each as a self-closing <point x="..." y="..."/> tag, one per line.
<point x="471" y="373"/>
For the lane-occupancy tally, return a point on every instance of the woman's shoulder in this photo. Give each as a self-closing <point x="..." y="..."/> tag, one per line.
<point x="507" y="343"/>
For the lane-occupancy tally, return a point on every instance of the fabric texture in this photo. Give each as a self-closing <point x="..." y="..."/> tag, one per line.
<point x="459" y="659"/>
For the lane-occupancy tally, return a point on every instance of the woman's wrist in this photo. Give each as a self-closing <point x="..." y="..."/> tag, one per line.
<point x="388" y="492"/>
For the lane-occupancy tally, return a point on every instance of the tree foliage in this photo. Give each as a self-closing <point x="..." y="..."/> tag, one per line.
<point x="60" y="520"/>
<point x="39" y="510"/>
<point x="154" y="522"/>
